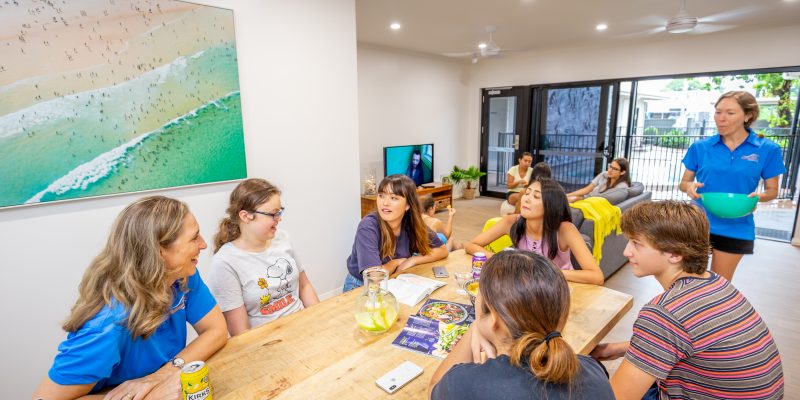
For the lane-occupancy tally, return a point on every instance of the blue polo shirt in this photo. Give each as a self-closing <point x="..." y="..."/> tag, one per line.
<point x="737" y="171"/>
<point x="103" y="351"/>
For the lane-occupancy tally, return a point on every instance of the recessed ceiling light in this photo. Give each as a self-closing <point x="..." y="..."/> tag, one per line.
<point x="395" y="26"/>
<point x="481" y="45"/>
<point x="601" y="27"/>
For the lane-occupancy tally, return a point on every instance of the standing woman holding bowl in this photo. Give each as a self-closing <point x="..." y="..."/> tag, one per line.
<point x="733" y="161"/>
<point x="128" y="327"/>
<point x="394" y="236"/>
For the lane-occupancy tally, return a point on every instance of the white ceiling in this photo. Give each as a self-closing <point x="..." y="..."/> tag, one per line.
<point x="457" y="26"/>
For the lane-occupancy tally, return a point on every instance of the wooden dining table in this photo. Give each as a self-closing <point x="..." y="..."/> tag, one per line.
<point x="319" y="353"/>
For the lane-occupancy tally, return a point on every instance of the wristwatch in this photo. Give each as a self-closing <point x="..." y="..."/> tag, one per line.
<point x="177" y="362"/>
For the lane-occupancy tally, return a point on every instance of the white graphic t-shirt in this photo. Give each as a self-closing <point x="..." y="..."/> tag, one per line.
<point x="267" y="283"/>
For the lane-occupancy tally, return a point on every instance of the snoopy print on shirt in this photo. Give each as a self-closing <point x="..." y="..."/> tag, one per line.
<point x="278" y="294"/>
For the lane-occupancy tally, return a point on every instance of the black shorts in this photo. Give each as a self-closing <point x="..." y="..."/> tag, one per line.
<point x="731" y="245"/>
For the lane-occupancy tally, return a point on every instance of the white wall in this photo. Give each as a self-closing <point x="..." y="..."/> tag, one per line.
<point x="406" y="98"/>
<point x="764" y="48"/>
<point x="296" y="59"/>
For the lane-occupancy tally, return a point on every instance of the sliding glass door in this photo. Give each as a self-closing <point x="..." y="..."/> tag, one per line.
<point x="575" y="131"/>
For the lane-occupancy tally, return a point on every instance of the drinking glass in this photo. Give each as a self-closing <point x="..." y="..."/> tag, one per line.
<point x="461" y="279"/>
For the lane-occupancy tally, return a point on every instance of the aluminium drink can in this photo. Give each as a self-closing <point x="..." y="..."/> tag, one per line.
<point x="477" y="263"/>
<point x="195" y="384"/>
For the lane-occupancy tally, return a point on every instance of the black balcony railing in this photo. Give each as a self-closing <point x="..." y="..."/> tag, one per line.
<point x="655" y="156"/>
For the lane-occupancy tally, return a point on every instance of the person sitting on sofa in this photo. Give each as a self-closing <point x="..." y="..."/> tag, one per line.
<point x="544" y="226"/>
<point x="617" y="176"/>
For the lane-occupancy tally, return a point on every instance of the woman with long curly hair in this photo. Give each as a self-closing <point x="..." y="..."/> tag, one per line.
<point x="128" y="327"/>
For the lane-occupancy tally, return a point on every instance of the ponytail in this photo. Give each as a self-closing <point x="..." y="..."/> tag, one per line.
<point x="550" y="360"/>
<point x="228" y="231"/>
<point x="246" y="196"/>
<point x="531" y="297"/>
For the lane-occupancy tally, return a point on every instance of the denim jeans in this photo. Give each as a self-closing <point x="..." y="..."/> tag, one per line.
<point x="652" y="393"/>
<point x="350" y="283"/>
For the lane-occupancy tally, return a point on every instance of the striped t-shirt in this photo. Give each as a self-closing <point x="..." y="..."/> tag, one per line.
<point x="703" y="340"/>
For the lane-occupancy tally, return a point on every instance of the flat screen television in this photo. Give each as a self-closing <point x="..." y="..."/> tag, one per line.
<point x="414" y="161"/>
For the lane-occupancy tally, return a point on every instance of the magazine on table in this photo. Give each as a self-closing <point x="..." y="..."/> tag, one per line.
<point x="436" y="328"/>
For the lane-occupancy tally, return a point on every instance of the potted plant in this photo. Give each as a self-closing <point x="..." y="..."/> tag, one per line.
<point x="470" y="178"/>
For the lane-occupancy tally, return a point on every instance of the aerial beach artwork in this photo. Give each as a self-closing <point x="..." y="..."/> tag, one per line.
<point x="100" y="97"/>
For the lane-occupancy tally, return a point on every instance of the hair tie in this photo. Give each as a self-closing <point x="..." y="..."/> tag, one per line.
<point x="551" y="335"/>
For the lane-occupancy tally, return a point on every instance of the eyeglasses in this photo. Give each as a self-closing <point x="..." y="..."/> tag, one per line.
<point x="614" y="168"/>
<point x="276" y="214"/>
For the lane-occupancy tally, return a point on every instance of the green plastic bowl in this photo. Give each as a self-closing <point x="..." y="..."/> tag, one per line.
<point x="729" y="205"/>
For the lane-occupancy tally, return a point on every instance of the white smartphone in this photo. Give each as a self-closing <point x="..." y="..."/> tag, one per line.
<point x="393" y="380"/>
<point x="440" y="271"/>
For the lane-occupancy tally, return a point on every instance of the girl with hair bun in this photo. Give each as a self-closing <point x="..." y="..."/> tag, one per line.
<point x="521" y="308"/>
<point x="255" y="274"/>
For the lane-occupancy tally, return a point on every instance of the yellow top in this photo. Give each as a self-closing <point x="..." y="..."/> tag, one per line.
<point x="606" y="218"/>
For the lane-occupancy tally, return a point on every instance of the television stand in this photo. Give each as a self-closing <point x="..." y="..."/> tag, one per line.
<point x="442" y="194"/>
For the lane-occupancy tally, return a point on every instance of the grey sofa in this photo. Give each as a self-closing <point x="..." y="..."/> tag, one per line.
<point x="614" y="244"/>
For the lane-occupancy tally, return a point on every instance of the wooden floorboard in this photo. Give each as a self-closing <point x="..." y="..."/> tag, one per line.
<point x="769" y="279"/>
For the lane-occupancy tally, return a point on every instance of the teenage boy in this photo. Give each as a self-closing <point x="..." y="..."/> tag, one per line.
<point x="700" y="338"/>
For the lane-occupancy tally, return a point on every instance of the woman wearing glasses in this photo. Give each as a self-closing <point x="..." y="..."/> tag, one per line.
<point x="255" y="274"/>
<point x="616" y="176"/>
<point x="128" y="327"/>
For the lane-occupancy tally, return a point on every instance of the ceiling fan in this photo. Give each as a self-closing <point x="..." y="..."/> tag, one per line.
<point x="684" y="22"/>
<point x="484" y="49"/>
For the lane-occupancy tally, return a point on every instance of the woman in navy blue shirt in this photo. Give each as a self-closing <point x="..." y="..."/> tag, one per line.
<point x="394" y="236"/>
<point x="128" y="327"/>
<point x="520" y="311"/>
<point x="733" y="161"/>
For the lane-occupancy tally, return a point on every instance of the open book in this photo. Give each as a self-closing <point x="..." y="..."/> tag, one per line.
<point x="410" y="289"/>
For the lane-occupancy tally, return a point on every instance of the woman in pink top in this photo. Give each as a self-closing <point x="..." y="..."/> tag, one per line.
<point x="544" y="226"/>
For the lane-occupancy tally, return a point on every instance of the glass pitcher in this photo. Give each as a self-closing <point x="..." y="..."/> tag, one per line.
<point x="376" y="307"/>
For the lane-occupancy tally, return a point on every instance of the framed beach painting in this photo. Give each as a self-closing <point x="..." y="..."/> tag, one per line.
<point x="100" y="97"/>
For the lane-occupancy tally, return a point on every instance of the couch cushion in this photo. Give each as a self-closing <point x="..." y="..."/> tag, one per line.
<point x="635" y="189"/>
<point x="614" y="195"/>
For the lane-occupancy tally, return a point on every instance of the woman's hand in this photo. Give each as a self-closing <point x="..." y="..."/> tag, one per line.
<point x="478" y="343"/>
<point x="691" y="189"/>
<point x="609" y="351"/>
<point x="406" y="264"/>
<point x="451" y="211"/>
<point x="162" y="384"/>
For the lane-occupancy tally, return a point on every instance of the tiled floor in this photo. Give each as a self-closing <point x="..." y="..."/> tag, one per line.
<point x="769" y="279"/>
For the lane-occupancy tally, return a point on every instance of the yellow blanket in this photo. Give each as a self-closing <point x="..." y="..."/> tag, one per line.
<point x="606" y="218"/>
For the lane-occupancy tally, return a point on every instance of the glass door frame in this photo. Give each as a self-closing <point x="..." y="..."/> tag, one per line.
<point x="607" y="119"/>
<point x="521" y="127"/>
